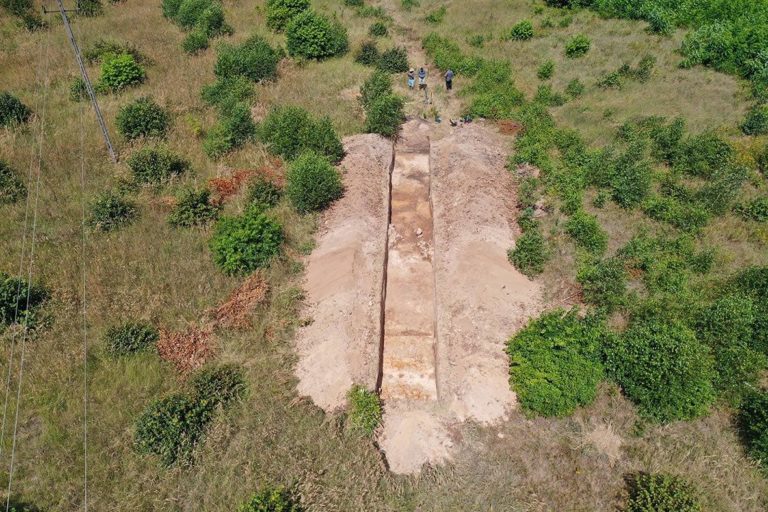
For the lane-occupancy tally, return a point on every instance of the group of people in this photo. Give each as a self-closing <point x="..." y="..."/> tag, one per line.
<point x="423" y="79"/>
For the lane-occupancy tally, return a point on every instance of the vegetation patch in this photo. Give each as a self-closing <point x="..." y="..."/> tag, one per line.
<point x="194" y="208"/>
<point x="578" y="46"/>
<point x="661" y="493"/>
<point x="364" y="410"/>
<point x="120" y="71"/>
<point x="271" y="500"/>
<point x="245" y="243"/>
<point x="587" y="233"/>
<point x="753" y="422"/>
<point x="254" y="59"/>
<point x="280" y="12"/>
<point x="130" y="337"/>
<point x="313" y="36"/>
<point x="604" y="283"/>
<point x="233" y="130"/>
<point x="110" y="211"/>
<point x="11" y="187"/>
<point x="522" y="31"/>
<point x="289" y="131"/>
<point x="156" y="164"/>
<point x="142" y="118"/>
<point x="530" y="253"/>
<point x="312" y="183"/>
<point x="20" y="300"/>
<point x="221" y="385"/>
<point x="12" y="110"/>
<point x="202" y="19"/>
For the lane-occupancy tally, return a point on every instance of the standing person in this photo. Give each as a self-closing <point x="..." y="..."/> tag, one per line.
<point x="411" y="78"/>
<point x="449" y="79"/>
<point x="422" y="78"/>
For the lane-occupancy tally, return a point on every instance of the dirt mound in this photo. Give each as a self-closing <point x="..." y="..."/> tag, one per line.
<point x="344" y="279"/>
<point x="186" y="350"/>
<point x="236" y="311"/>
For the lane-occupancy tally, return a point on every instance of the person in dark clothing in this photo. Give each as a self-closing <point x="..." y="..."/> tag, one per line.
<point x="449" y="79"/>
<point x="422" y="78"/>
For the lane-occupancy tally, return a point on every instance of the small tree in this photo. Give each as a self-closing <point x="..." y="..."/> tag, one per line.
<point x="254" y="59"/>
<point x="289" y="131"/>
<point x="314" y="36"/>
<point x="377" y="85"/>
<point x="280" y="12"/>
<point x="312" y="183"/>
<point x="385" y="115"/>
<point x="142" y="118"/>
<point x="245" y="243"/>
<point x="119" y="72"/>
<point x="578" y="46"/>
<point x="522" y="31"/>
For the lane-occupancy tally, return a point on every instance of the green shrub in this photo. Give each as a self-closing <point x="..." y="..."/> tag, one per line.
<point x="312" y="183"/>
<point x="686" y="216"/>
<point x="289" y="131"/>
<point x="12" y="110"/>
<point x="19" y="300"/>
<point x="753" y="282"/>
<point x="234" y="129"/>
<point x="394" y="60"/>
<point x="575" y="88"/>
<point x="578" y="46"/>
<point x="130" y="337"/>
<point x="493" y="92"/>
<point x="604" y="283"/>
<point x="364" y="410"/>
<point x="254" y="59"/>
<point x="587" y="233"/>
<point x="263" y="191"/>
<point x="753" y="424"/>
<point x="120" y="71"/>
<point x="661" y="493"/>
<point x="723" y="188"/>
<point x="546" y="96"/>
<point x="220" y="385"/>
<point x="189" y="12"/>
<point x="156" y="164"/>
<point x="632" y="176"/>
<point x="211" y="21"/>
<point x="77" y="89"/>
<point x="171" y="428"/>
<point x="756" y="210"/>
<point x="271" y="500"/>
<point x="193" y="208"/>
<point x="245" y="243"/>
<point x="448" y="55"/>
<point x="522" y="31"/>
<point x="170" y="8"/>
<point x="142" y="118"/>
<point x="554" y="363"/>
<point x="280" y="12"/>
<point x="385" y="115"/>
<point x="436" y="17"/>
<point x="90" y="8"/>
<point x="378" y="29"/>
<point x="11" y="187"/>
<point x="103" y="48"/>
<point x="702" y="155"/>
<point x="663" y="369"/>
<point x="409" y="4"/>
<point x="368" y="54"/>
<point x="377" y="85"/>
<point x="226" y="92"/>
<point x="195" y="42"/>
<point x="530" y="253"/>
<point x="314" y="36"/>
<point x="546" y="70"/>
<point x="110" y="211"/>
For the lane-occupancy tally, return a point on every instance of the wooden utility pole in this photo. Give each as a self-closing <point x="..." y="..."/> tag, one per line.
<point x="84" y="74"/>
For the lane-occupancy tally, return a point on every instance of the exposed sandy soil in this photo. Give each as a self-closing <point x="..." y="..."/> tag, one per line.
<point x="344" y="280"/>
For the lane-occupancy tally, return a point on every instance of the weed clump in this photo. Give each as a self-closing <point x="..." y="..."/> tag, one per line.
<point x="661" y="493"/>
<point x="225" y="92"/>
<point x="753" y="424"/>
<point x="312" y="183"/>
<point x="14" y="306"/>
<point x="530" y="253"/>
<point x="522" y="31"/>
<point x="756" y="122"/>
<point x="385" y="115"/>
<point x="254" y="59"/>
<point x="220" y="385"/>
<point x="755" y="210"/>
<point x="394" y="60"/>
<point x="193" y="208"/>
<point x="280" y="12"/>
<point x="378" y="29"/>
<point x="663" y="368"/>
<point x="11" y="187"/>
<point x="289" y="131"/>
<point x="110" y="211"/>
<point x="494" y="94"/>
<point x="271" y="500"/>
<point x="448" y="55"/>
<point x="233" y="130"/>
<point x="587" y="233"/>
<point x="142" y="118"/>
<point x="575" y="88"/>
<point x="368" y="54"/>
<point x="120" y="71"/>
<point x="314" y="36"/>
<point x="12" y="110"/>
<point x="245" y="243"/>
<point x="364" y="410"/>
<point x="578" y="46"/>
<point x="130" y="337"/>
<point x="157" y="164"/>
<point x="546" y="70"/>
<point x="264" y="192"/>
<point x="604" y="283"/>
<point x="436" y="17"/>
<point x="554" y="363"/>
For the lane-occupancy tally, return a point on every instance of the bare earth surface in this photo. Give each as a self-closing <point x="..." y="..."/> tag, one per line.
<point x="344" y="280"/>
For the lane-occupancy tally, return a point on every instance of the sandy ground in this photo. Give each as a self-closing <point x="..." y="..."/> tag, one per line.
<point x="344" y="280"/>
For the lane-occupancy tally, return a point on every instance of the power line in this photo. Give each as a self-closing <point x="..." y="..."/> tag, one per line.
<point x="85" y="324"/>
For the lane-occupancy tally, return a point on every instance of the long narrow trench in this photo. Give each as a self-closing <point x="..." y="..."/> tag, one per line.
<point x="408" y="351"/>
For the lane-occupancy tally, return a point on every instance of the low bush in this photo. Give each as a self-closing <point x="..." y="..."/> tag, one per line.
<point x="26" y="12"/>
<point x="226" y="92"/>
<point x="394" y="60"/>
<point x="493" y="92"/>
<point x="130" y="337"/>
<point x="661" y="493"/>
<point x="364" y="410"/>
<point x="753" y="282"/>
<point x="314" y="36"/>
<point x="171" y="428"/>
<point x="156" y="164"/>
<point x="142" y="118"/>
<point x="77" y="89"/>
<point x="663" y="368"/>
<point x="587" y="233"/>
<point x="233" y="130"/>
<point x="604" y="283"/>
<point x="378" y="29"/>
<point x="437" y="16"/>
<point x="755" y="210"/>
<point x="385" y="115"/>
<point x="119" y="72"/>
<point x="193" y="208"/>
<point x="220" y="385"/>
<point x="753" y="425"/>
<point x="280" y="12"/>
<point x="254" y="59"/>
<point x="110" y="211"/>
<point x="312" y="183"/>
<point x="704" y="154"/>
<point x="448" y="55"/>
<point x="245" y="243"/>
<point x="546" y="70"/>
<point x="271" y="500"/>
<point x="546" y="96"/>
<point x="522" y="31"/>
<point x="575" y="88"/>
<point x="101" y="48"/>
<point x="195" y="42"/>
<point x="530" y="253"/>
<point x="578" y="46"/>
<point x="368" y="54"/>
<point x="409" y="4"/>
<point x="90" y="8"/>
<point x="12" y="110"/>
<point x="289" y="131"/>
<point x="377" y="85"/>
<point x="19" y="300"/>
<point x="631" y="177"/>
<point x="554" y="363"/>
<point x="264" y="192"/>
<point x="682" y="215"/>
<point x="11" y="187"/>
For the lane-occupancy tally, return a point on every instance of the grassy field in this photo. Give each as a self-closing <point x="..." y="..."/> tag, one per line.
<point x="154" y="272"/>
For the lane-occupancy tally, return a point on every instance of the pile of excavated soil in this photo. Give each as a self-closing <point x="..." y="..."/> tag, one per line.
<point x="344" y="279"/>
